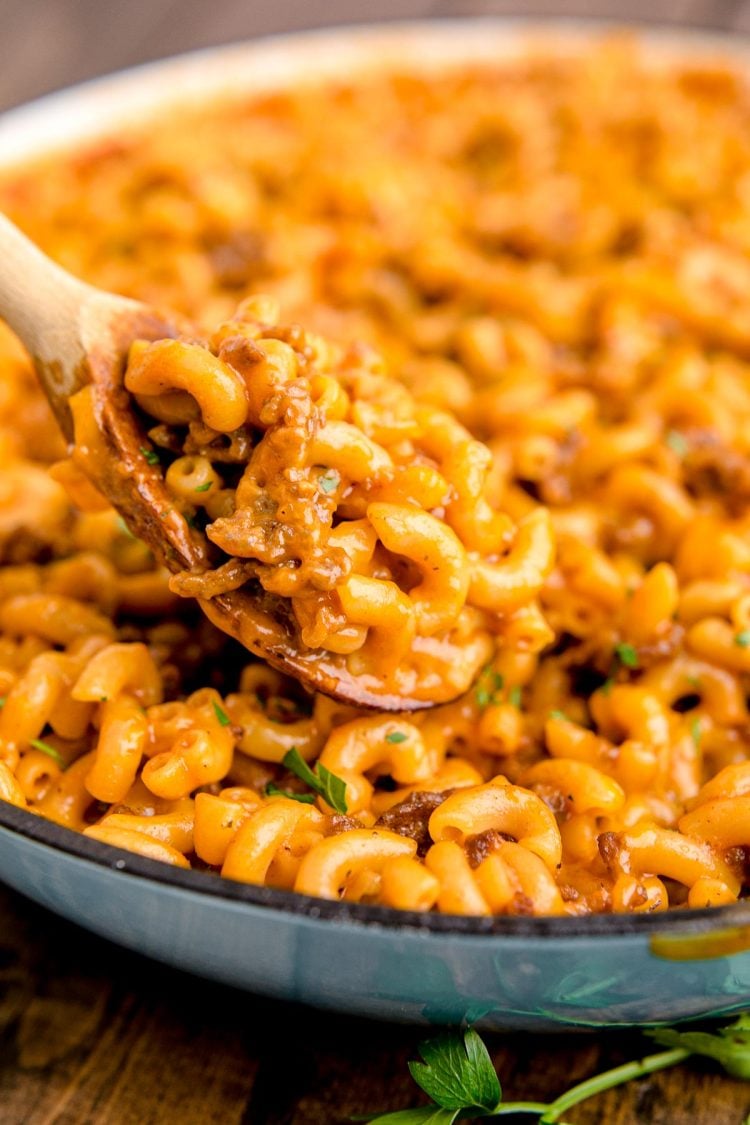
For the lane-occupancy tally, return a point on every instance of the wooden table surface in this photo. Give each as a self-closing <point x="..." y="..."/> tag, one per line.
<point x="92" y="1035"/>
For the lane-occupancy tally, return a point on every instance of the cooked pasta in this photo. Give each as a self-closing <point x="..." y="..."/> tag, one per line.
<point x="322" y="481"/>
<point x="511" y="439"/>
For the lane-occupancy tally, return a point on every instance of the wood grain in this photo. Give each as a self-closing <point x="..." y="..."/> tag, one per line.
<point x="93" y="1035"/>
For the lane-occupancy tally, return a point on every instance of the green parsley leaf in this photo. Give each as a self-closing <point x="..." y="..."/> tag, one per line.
<point x="273" y="790"/>
<point x="329" y="480"/>
<point x="514" y="696"/>
<point x="487" y="1092"/>
<point x="677" y="442"/>
<point x="730" y="1046"/>
<point x="297" y="765"/>
<point x="49" y="750"/>
<point x="627" y="655"/>
<point x="2" y="700"/>
<point x="743" y="639"/>
<point x="333" y="789"/>
<point x="424" y="1115"/>
<point x="559" y="715"/>
<point x="204" y="487"/>
<point x="221" y="715"/>
<point x="489" y="683"/>
<point x="457" y="1072"/>
<point x="606" y="688"/>
<point x="123" y="528"/>
<point x="326" y="784"/>
<point x="696" y="732"/>
<point x="151" y="456"/>
<point x="396" y="736"/>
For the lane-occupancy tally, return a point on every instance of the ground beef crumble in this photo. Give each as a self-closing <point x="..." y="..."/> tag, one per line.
<point x="483" y="844"/>
<point x="411" y="817"/>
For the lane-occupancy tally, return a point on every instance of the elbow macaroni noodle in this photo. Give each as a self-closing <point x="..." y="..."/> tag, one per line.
<point x="543" y="485"/>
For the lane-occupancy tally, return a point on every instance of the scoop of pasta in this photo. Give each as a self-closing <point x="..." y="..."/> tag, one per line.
<point x="321" y="488"/>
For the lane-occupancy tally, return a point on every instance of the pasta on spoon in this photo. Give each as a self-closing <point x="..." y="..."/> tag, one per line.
<point x="323" y="487"/>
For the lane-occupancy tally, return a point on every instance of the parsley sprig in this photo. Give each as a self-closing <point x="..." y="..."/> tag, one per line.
<point x="50" y="751"/>
<point x="329" y="480"/>
<point x="489" y="684"/>
<point x="730" y="1046"/>
<point x="457" y="1073"/>
<point x="627" y="654"/>
<point x="677" y="442"/>
<point x="150" y="455"/>
<point x="221" y="715"/>
<point x="326" y="784"/>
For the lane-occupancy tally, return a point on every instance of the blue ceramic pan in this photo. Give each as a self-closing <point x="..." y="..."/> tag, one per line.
<point x="527" y="973"/>
<point x="506" y="972"/>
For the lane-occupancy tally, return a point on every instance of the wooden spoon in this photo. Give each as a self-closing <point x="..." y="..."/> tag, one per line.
<point x="78" y="338"/>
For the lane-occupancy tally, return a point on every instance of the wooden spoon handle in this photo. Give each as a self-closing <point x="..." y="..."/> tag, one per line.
<point x="43" y="305"/>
